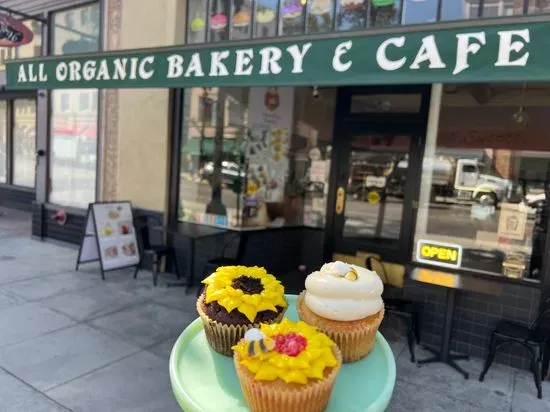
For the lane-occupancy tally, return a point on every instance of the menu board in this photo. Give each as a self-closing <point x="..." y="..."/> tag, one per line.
<point x="110" y="236"/>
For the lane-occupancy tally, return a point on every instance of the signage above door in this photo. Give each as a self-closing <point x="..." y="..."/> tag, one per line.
<point x="13" y="32"/>
<point x="503" y="53"/>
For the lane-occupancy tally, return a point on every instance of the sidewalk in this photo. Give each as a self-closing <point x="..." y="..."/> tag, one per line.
<point x="71" y="342"/>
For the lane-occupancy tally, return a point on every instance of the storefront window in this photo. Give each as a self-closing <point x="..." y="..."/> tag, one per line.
<point x="241" y="27"/>
<point x="352" y="15"/>
<point x="292" y="17"/>
<point x="498" y="8"/>
<point x="459" y="9"/>
<point x="3" y="142"/>
<point x="219" y="20"/>
<point x="384" y="13"/>
<point x="24" y="142"/>
<point x="415" y="11"/>
<point x="484" y="183"/>
<point x="74" y="115"/>
<point x="266" y="18"/>
<point x="196" y="27"/>
<point x="320" y="16"/>
<point x="538" y="6"/>
<point x="256" y="156"/>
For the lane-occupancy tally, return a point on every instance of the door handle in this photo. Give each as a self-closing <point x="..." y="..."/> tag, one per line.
<point x="340" y="200"/>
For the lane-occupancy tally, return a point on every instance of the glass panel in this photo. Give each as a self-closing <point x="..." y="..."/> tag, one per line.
<point x="256" y="156"/>
<point x="498" y="8"/>
<point x="385" y="103"/>
<point x="484" y="178"/>
<point x="74" y="32"/>
<point x="219" y="15"/>
<point x="384" y="13"/>
<point x="24" y="142"/>
<point x="351" y="15"/>
<point x="73" y="147"/>
<point x="292" y="17"/>
<point x="377" y="174"/>
<point x="459" y="9"/>
<point x="266" y="18"/>
<point x="538" y="6"/>
<point x="32" y="49"/>
<point x="415" y="11"/>
<point x="196" y="17"/>
<point x="242" y="14"/>
<point x="3" y="141"/>
<point x="320" y="16"/>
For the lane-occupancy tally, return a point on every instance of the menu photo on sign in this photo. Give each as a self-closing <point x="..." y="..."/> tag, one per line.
<point x="110" y="237"/>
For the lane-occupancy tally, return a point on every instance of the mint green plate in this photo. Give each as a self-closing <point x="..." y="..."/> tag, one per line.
<point x="205" y="381"/>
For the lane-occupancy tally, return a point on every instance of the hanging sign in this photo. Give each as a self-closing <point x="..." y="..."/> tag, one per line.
<point x="474" y="53"/>
<point x="438" y="253"/>
<point x="13" y="32"/>
<point x="109" y="237"/>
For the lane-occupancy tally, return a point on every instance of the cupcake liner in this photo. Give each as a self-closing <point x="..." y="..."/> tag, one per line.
<point x="355" y="339"/>
<point x="278" y="396"/>
<point x="222" y="337"/>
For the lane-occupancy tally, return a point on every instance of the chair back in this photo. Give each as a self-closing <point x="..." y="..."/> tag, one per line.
<point x="239" y="240"/>
<point x="542" y="321"/>
<point x="143" y="224"/>
<point x="369" y="264"/>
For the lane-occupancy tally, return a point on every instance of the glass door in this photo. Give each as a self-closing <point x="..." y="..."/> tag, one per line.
<point x="375" y="176"/>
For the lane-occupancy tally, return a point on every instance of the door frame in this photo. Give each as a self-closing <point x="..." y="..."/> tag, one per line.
<point x="345" y="125"/>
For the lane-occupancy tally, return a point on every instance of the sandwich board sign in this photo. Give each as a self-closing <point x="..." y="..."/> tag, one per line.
<point x="109" y="237"/>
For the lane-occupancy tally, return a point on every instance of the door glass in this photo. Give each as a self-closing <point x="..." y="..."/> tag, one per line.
<point x="376" y="186"/>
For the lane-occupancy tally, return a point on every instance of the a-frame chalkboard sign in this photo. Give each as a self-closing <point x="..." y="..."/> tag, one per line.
<point x="109" y="237"/>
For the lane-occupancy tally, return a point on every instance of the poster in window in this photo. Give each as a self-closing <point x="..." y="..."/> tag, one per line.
<point x="270" y="118"/>
<point x="512" y="222"/>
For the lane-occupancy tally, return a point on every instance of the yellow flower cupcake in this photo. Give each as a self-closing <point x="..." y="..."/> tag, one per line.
<point x="287" y="367"/>
<point x="235" y="299"/>
<point x="345" y="302"/>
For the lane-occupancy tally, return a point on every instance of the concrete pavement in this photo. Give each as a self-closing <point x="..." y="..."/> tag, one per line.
<point x="70" y="342"/>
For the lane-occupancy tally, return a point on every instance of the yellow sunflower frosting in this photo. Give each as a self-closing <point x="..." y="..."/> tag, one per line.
<point x="249" y="290"/>
<point x="296" y="353"/>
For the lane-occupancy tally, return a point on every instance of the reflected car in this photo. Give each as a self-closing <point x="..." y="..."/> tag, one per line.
<point x="231" y="172"/>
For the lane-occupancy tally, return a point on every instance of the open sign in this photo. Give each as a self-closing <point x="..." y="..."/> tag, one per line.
<point x="441" y="254"/>
<point x="13" y="32"/>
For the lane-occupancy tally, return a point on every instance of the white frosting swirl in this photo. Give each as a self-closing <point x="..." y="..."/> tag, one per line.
<point x="330" y="295"/>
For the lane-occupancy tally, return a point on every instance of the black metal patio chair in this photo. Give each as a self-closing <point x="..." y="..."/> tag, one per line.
<point x="533" y="337"/>
<point x="403" y="309"/>
<point x="150" y="233"/>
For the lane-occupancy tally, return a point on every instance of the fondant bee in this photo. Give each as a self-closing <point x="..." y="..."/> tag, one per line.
<point x="257" y="342"/>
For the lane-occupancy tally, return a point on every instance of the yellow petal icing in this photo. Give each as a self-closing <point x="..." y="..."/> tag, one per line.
<point x="219" y="289"/>
<point x="309" y="364"/>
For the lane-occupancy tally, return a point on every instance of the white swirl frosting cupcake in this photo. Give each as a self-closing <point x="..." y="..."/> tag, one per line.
<point x="345" y="302"/>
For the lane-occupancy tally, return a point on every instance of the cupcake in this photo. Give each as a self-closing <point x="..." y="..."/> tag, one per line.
<point x="345" y="302"/>
<point x="235" y="299"/>
<point x="287" y="367"/>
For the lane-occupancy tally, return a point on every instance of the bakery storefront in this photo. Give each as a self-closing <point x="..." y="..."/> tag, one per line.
<point x="424" y="146"/>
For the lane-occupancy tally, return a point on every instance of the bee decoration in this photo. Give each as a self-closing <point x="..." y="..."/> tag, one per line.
<point x="257" y="342"/>
<point x="352" y="275"/>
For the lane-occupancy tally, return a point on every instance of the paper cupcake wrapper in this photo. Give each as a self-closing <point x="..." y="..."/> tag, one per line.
<point x="222" y="337"/>
<point x="355" y="341"/>
<point x="278" y="396"/>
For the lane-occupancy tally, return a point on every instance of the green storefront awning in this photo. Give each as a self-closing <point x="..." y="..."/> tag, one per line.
<point x="193" y="147"/>
<point x="497" y="50"/>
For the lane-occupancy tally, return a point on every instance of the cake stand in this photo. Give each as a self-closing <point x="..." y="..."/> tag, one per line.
<point x="205" y="381"/>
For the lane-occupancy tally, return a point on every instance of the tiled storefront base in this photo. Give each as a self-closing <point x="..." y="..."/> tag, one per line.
<point x="475" y="317"/>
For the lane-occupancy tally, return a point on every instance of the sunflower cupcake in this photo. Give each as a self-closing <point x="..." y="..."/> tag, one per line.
<point x="287" y="367"/>
<point x="235" y="299"/>
<point x="345" y="302"/>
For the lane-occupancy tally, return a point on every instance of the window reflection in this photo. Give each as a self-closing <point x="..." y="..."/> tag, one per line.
<point x="320" y="16"/>
<point x="292" y="17"/>
<point x="266" y="18"/>
<point x="538" y="6"/>
<point x="32" y="49"/>
<point x="484" y="181"/>
<point x="196" y="27"/>
<point x="352" y="14"/>
<point x="24" y="142"/>
<point x="384" y="12"/>
<point x="242" y="15"/>
<point x="3" y="141"/>
<point x="415" y="11"/>
<point x="219" y="20"/>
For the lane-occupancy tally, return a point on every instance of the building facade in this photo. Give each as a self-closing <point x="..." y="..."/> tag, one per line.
<point x="439" y="176"/>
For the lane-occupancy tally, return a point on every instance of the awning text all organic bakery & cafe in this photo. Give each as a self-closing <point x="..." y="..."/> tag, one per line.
<point x="515" y="52"/>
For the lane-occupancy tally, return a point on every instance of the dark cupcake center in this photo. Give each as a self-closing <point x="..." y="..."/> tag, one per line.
<point x="250" y="286"/>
